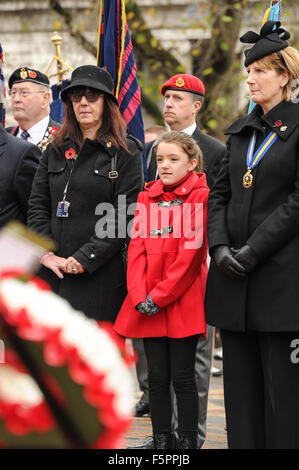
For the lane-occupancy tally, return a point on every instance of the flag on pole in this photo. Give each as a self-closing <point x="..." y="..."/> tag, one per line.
<point x="57" y="106"/>
<point x="115" y="54"/>
<point x="2" y="90"/>
<point x="273" y="13"/>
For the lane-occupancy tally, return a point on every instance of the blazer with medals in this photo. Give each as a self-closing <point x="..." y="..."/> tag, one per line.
<point x="266" y="217"/>
<point x="53" y="126"/>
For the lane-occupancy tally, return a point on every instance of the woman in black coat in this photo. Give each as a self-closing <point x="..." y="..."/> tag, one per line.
<point x="253" y="229"/>
<point x="76" y="202"/>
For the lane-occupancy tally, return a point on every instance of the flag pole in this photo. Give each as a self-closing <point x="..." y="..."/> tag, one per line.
<point x="100" y="27"/>
<point x="122" y="50"/>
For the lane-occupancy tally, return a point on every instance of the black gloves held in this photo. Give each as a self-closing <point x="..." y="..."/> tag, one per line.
<point x="246" y="256"/>
<point x="148" y="308"/>
<point x="226" y="262"/>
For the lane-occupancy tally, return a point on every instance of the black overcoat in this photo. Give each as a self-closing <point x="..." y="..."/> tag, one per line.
<point x="266" y="217"/>
<point x="100" y="290"/>
<point x="18" y="164"/>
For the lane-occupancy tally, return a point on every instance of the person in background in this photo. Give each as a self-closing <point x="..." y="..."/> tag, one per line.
<point x="30" y="94"/>
<point x="18" y="164"/>
<point x="253" y="220"/>
<point x="153" y="133"/>
<point x="167" y="269"/>
<point x="81" y="202"/>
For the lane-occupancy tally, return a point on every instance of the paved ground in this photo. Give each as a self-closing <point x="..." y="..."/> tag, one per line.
<point x="216" y="435"/>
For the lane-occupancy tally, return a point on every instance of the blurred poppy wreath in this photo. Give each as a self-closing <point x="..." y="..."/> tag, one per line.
<point x="79" y="390"/>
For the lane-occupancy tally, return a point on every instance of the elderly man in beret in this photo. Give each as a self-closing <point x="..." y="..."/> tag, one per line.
<point x="30" y="94"/>
<point x="183" y="98"/>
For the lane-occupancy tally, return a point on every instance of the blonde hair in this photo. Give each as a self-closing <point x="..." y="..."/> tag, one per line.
<point x="289" y="64"/>
<point x="187" y="144"/>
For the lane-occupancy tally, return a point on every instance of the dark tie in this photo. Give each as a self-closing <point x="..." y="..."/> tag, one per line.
<point x="25" y="135"/>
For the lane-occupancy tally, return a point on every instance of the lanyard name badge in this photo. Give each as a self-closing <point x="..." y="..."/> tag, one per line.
<point x="63" y="206"/>
<point x="253" y="160"/>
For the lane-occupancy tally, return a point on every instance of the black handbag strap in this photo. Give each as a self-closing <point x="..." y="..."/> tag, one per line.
<point x="113" y="173"/>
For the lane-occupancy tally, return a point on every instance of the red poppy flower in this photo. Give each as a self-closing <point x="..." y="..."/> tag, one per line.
<point x="70" y="153"/>
<point x="278" y="123"/>
<point x="53" y="129"/>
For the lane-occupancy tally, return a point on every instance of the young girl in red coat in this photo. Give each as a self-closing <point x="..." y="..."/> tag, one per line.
<point x="166" y="282"/>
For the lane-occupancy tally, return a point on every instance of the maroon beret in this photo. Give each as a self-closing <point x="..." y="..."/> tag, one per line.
<point x="184" y="82"/>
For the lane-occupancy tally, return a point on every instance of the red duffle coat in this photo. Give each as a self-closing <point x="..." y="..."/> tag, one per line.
<point x="170" y="267"/>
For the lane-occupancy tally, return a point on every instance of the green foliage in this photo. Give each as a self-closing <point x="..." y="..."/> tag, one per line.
<point x="208" y="71"/>
<point x="221" y="102"/>
<point x="25" y="28"/>
<point x="224" y="46"/>
<point x="212" y="124"/>
<point x="226" y="19"/>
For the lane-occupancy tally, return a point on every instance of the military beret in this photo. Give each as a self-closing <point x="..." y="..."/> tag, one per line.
<point x="184" y="82"/>
<point x="24" y="74"/>
<point x="268" y="41"/>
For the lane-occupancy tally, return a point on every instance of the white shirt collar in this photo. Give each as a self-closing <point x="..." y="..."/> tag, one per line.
<point x="36" y="132"/>
<point x="190" y="130"/>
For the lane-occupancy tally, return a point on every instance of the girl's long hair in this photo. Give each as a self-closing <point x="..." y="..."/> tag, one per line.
<point x="113" y="127"/>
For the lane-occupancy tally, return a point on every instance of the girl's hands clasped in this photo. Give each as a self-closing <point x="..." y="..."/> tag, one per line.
<point x="148" y="308"/>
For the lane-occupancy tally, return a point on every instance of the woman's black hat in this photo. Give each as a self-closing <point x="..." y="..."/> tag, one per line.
<point x="267" y="42"/>
<point x="90" y="76"/>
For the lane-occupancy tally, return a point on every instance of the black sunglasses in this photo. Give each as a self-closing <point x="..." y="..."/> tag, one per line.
<point x="91" y="95"/>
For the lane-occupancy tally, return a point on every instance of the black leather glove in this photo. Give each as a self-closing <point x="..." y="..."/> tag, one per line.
<point x="148" y="308"/>
<point x="246" y="256"/>
<point x="226" y="262"/>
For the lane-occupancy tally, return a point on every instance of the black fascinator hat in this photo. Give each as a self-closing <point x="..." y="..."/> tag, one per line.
<point x="268" y="41"/>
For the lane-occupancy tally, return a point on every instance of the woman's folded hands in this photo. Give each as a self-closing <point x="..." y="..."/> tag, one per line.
<point x="61" y="265"/>
<point x="235" y="263"/>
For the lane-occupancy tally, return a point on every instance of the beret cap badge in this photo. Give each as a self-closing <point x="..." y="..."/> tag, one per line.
<point x="23" y="73"/>
<point x="180" y="82"/>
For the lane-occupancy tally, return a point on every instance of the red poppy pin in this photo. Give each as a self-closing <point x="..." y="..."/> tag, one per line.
<point x="53" y="130"/>
<point x="70" y="153"/>
<point x="277" y="123"/>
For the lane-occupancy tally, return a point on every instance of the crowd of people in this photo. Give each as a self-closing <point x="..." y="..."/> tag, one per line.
<point x="213" y="239"/>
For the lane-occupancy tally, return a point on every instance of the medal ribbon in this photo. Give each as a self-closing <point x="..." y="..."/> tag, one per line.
<point x="253" y="160"/>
